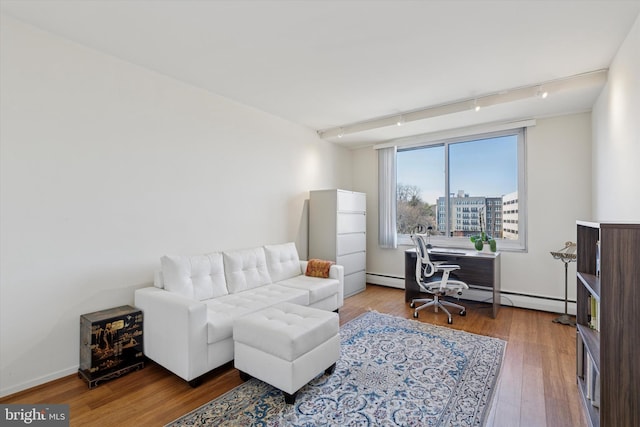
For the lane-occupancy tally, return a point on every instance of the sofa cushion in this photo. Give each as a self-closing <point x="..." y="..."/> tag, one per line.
<point x="222" y="311"/>
<point x="158" y="278"/>
<point x="245" y="269"/>
<point x="199" y="277"/>
<point x="274" y="293"/>
<point x="282" y="261"/>
<point x="318" y="288"/>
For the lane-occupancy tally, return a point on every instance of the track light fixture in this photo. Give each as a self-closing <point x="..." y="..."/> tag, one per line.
<point x="567" y="83"/>
<point x="540" y="93"/>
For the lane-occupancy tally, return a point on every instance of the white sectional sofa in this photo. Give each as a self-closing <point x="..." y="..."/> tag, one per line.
<point x="190" y="310"/>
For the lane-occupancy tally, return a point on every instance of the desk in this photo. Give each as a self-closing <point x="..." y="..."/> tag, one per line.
<point x="477" y="269"/>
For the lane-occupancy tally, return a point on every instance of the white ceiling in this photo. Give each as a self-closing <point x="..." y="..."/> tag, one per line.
<point x="326" y="64"/>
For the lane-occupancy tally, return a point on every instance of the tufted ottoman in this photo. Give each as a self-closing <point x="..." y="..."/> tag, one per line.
<point x="286" y="345"/>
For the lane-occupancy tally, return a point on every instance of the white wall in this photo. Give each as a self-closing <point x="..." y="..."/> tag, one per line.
<point x="105" y="167"/>
<point x="559" y="189"/>
<point x="616" y="137"/>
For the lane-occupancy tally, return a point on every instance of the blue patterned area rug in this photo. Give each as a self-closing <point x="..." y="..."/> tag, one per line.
<point x="391" y="372"/>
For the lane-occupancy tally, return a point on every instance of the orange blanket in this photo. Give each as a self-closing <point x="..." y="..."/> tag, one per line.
<point x="318" y="268"/>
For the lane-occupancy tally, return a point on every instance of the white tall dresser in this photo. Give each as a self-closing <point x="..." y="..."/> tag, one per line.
<point x="338" y="232"/>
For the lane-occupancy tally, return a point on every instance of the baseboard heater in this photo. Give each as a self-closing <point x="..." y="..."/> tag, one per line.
<point x="482" y="294"/>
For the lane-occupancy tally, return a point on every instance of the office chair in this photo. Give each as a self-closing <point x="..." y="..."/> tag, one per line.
<point x="441" y="286"/>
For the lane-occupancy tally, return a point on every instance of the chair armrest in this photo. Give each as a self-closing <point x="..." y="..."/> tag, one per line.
<point x="174" y="331"/>
<point x="448" y="267"/>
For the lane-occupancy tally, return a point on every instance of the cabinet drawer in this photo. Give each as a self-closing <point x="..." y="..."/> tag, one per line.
<point x="350" y="243"/>
<point x="353" y="262"/>
<point x="354" y="283"/>
<point x="352" y="222"/>
<point x="355" y="202"/>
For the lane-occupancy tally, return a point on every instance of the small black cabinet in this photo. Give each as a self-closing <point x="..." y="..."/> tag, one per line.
<point x="110" y="344"/>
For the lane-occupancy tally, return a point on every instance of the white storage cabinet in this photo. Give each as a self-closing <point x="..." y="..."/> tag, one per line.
<point x="337" y="232"/>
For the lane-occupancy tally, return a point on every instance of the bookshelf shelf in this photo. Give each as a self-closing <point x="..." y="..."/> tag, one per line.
<point x="607" y="315"/>
<point x="591" y="341"/>
<point x="592" y="412"/>
<point x="592" y="283"/>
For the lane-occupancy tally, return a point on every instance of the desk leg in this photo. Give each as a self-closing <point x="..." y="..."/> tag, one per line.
<point x="496" y="287"/>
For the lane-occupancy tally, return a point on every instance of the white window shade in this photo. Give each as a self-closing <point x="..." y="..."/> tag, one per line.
<point x="387" y="236"/>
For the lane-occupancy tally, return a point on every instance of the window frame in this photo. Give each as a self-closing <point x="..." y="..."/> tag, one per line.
<point x="507" y="245"/>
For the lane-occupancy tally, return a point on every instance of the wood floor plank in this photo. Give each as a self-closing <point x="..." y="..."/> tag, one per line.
<point x="511" y="376"/>
<point x="533" y="408"/>
<point x="507" y="415"/>
<point x="537" y="383"/>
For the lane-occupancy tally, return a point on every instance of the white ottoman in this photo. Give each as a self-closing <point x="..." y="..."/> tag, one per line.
<point x="286" y="345"/>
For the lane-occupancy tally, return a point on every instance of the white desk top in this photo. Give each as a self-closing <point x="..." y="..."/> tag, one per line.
<point x="461" y="252"/>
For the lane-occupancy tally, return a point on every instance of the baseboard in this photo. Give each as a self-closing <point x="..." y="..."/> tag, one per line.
<point x="390" y="281"/>
<point x="4" y="392"/>
<point x="514" y="299"/>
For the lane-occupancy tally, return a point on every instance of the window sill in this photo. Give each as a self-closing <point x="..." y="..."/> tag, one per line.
<point x="456" y="243"/>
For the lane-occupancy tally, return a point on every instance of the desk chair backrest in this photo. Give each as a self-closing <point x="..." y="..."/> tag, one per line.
<point x="424" y="266"/>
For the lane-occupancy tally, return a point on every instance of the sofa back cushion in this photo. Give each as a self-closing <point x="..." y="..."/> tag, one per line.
<point x="282" y="261"/>
<point x="199" y="277"/>
<point x="245" y="269"/>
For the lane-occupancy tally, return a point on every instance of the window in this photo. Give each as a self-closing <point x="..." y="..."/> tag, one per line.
<point x="462" y="187"/>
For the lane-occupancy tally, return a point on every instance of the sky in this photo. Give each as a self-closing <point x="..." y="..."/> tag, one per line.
<point x="486" y="167"/>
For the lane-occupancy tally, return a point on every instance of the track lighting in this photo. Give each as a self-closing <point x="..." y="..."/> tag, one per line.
<point x="578" y="81"/>
<point x="541" y="93"/>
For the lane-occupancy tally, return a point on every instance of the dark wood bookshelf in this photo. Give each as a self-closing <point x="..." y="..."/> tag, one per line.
<point x="613" y="351"/>
<point x="591" y="341"/>
<point x="592" y="283"/>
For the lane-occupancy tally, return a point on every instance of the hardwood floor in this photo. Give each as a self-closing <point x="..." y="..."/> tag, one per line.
<point x="537" y="387"/>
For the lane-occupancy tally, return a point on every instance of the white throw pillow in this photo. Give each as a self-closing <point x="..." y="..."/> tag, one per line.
<point x="245" y="269"/>
<point x="282" y="261"/>
<point x="199" y="277"/>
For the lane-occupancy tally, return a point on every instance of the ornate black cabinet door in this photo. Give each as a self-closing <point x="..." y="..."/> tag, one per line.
<point x="110" y="344"/>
